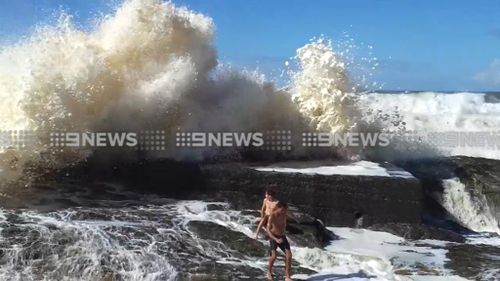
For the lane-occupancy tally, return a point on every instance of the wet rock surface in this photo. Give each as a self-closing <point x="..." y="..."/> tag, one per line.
<point x="334" y="199"/>
<point x="307" y="231"/>
<point x="145" y="237"/>
<point x="418" y="232"/>
<point x="83" y="209"/>
<point x="240" y="244"/>
<point x="477" y="262"/>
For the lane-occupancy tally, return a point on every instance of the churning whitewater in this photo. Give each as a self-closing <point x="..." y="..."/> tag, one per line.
<point x="470" y="209"/>
<point x="165" y="239"/>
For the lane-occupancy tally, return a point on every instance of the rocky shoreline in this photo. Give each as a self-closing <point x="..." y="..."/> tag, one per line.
<point x="406" y="206"/>
<point x="392" y="204"/>
<point x="480" y="176"/>
<point x="334" y="199"/>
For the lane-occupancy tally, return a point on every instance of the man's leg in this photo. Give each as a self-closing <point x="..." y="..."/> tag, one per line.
<point x="288" y="264"/>
<point x="285" y="247"/>
<point x="272" y="259"/>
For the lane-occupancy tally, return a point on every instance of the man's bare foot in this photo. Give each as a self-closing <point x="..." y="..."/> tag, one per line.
<point x="288" y="279"/>
<point x="270" y="276"/>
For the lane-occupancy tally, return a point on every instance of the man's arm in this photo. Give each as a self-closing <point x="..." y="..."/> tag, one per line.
<point x="263" y="208"/>
<point x="268" y="230"/>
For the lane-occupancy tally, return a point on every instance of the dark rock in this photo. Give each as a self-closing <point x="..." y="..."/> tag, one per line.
<point x="216" y="207"/>
<point x="241" y="245"/>
<point x="250" y="212"/>
<point x="418" y="232"/>
<point x="165" y="176"/>
<point x="234" y="240"/>
<point x="474" y="261"/>
<point x="333" y="199"/>
<point x="352" y="276"/>
<point x="214" y="271"/>
<point x="307" y="231"/>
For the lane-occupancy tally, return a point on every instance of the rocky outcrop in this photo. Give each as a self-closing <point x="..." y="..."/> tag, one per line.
<point x="480" y="176"/>
<point x="474" y="262"/>
<point x="307" y="231"/>
<point x="238" y="243"/>
<point x="390" y="204"/>
<point x="334" y="199"/>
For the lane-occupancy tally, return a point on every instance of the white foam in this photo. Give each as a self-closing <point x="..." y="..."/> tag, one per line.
<point x="232" y="219"/>
<point x="437" y="278"/>
<point x="371" y="255"/>
<point x="364" y="168"/>
<point x="82" y="259"/>
<point x="385" y="246"/>
<point x="471" y="211"/>
<point x="484" y="240"/>
<point x="437" y="112"/>
<point x="429" y="112"/>
<point x="358" y="254"/>
<point x="330" y="262"/>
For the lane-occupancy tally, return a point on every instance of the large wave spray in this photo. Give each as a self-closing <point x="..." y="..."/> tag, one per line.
<point x="321" y="89"/>
<point x="150" y="65"/>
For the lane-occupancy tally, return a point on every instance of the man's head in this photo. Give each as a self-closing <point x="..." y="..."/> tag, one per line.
<point x="270" y="195"/>
<point x="281" y="206"/>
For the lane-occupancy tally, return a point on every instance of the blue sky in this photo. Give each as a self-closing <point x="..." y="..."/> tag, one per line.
<point x="421" y="45"/>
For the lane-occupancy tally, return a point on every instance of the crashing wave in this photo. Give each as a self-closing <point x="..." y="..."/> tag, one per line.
<point x="150" y="65"/>
<point x="472" y="211"/>
<point x="321" y="87"/>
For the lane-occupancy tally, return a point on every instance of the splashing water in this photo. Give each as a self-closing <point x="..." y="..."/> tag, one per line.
<point x="150" y="65"/>
<point x="471" y="211"/>
<point x="320" y="89"/>
<point x="139" y="237"/>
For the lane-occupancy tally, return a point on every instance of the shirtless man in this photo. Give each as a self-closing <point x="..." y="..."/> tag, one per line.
<point x="276" y="226"/>
<point x="267" y="207"/>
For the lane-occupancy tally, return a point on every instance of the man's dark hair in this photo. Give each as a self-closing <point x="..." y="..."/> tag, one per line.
<point x="271" y="192"/>
<point x="358" y="214"/>
<point x="281" y="204"/>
